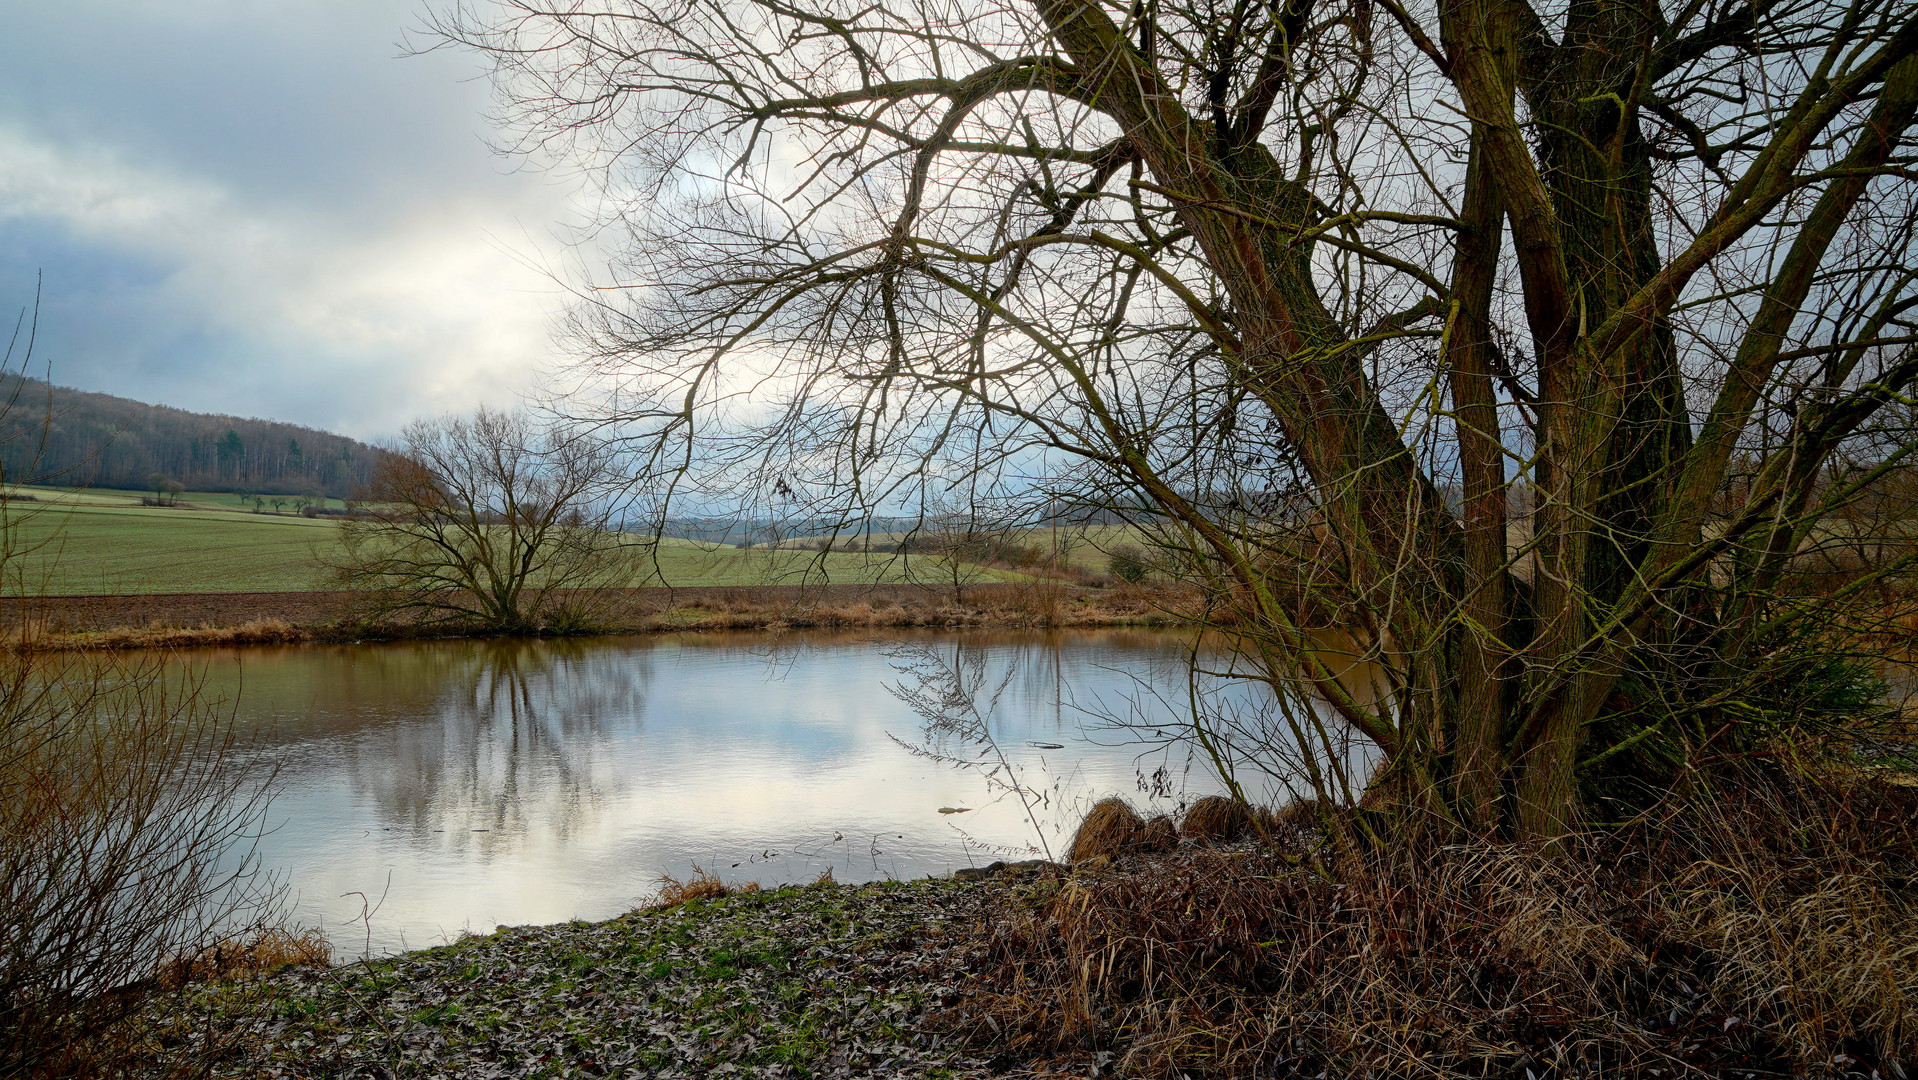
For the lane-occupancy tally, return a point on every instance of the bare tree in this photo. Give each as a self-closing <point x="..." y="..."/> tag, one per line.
<point x="948" y="547"/>
<point x="1247" y="266"/>
<point x="492" y="520"/>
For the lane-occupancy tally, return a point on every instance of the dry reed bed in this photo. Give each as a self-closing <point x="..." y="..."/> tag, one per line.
<point x="1015" y="611"/>
<point x="1776" y="935"/>
<point x="264" y="952"/>
<point x="160" y="636"/>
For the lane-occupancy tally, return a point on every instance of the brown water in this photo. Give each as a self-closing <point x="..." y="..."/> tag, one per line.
<point x="431" y="788"/>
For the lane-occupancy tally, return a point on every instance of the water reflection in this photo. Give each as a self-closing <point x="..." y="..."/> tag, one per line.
<point x="514" y="743"/>
<point x="476" y="783"/>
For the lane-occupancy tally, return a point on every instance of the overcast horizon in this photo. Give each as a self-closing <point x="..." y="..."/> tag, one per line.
<point x="269" y="212"/>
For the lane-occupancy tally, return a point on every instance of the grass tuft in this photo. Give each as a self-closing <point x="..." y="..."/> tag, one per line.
<point x="267" y="952"/>
<point x="1216" y="818"/>
<point x="1112" y="829"/>
<point x="702" y="885"/>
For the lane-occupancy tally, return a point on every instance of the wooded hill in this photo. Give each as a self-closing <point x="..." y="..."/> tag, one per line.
<point x="57" y="435"/>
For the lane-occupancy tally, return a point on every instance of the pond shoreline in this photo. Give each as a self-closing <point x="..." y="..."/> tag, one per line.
<point x="821" y="980"/>
<point x="472" y="783"/>
<point x="189" y="620"/>
<point x="1250" y="959"/>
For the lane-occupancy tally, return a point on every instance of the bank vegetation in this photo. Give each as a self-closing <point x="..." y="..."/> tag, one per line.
<point x="128" y="809"/>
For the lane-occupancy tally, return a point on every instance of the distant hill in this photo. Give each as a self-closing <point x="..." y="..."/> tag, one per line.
<point x="56" y="435"/>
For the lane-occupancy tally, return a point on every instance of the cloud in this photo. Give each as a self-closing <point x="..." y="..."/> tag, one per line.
<point x="309" y="230"/>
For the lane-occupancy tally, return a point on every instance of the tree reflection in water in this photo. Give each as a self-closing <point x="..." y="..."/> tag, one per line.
<point x="514" y="743"/>
<point x="472" y="783"/>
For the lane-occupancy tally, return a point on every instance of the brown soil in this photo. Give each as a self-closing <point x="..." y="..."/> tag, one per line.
<point x="178" y="619"/>
<point x="79" y="614"/>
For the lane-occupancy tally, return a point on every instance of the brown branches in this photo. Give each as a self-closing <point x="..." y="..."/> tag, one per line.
<point x="489" y="521"/>
<point x="1242" y="272"/>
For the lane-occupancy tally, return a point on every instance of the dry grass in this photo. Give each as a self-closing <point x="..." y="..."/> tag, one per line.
<point x="702" y="885"/>
<point x="1041" y="604"/>
<point x="1108" y="831"/>
<point x="158" y="636"/>
<point x="1158" y="835"/>
<point x="1216" y="818"/>
<point x="56" y="624"/>
<point x="263" y="953"/>
<point x="1805" y="898"/>
<point x="1754" y="934"/>
<point x="1112" y="829"/>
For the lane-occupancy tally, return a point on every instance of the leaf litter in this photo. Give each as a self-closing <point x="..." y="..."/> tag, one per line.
<point x="816" y="981"/>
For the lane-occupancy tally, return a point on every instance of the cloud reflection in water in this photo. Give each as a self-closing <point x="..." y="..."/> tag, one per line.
<point x="476" y="783"/>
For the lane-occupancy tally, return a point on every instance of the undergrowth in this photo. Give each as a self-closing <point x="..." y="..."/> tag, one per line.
<point x="1767" y="927"/>
<point x="263" y="952"/>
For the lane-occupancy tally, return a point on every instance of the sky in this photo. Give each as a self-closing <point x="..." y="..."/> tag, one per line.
<point x="268" y="209"/>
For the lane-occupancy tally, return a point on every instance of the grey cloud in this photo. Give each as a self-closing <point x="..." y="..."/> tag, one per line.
<point x="264" y="209"/>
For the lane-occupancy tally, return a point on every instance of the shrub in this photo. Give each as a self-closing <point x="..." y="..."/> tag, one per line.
<point x="125" y="819"/>
<point x="1128" y="563"/>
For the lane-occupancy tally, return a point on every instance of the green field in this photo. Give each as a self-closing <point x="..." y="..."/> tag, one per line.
<point x="96" y="541"/>
<point x="686" y="563"/>
<point x="104" y="542"/>
<point x="1087" y="547"/>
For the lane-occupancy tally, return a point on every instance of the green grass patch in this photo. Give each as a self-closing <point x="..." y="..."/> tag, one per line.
<point x="89" y="541"/>
<point x="85" y="545"/>
<point x="694" y="988"/>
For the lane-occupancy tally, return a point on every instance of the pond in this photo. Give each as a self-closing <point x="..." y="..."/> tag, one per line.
<point x="432" y="788"/>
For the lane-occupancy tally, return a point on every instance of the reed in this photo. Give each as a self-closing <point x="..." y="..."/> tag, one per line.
<point x="1768" y="930"/>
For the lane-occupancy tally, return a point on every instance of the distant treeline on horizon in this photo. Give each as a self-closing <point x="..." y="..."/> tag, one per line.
<point x="56" y="435"/>
<point x="748" y="530"/>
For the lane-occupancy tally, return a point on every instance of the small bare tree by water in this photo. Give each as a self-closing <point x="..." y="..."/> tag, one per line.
<point x="492" y="520"/>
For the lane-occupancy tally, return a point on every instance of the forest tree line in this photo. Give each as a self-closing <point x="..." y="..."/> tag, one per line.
<point x="58" y="435"/>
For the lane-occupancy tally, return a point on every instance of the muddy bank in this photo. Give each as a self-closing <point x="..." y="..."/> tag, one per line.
<point x="78" y="614"/>
<point x="185" y="619"/>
